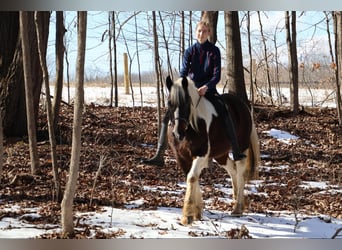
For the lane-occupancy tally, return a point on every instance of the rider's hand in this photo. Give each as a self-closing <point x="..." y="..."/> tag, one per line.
<point x="202" y="90"/>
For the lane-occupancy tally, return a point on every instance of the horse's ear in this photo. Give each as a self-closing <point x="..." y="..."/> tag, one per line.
<point x="185" y="83"/>
<point x="168" y="82"/>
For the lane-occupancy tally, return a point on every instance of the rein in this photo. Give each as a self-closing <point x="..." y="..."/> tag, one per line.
<point x="199" y="99"/>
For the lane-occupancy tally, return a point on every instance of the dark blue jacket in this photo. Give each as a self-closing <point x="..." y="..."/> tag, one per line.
<point x="202" y="63"/>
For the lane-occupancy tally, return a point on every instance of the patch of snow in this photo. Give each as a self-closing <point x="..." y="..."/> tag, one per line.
<point x="282" y="136"/>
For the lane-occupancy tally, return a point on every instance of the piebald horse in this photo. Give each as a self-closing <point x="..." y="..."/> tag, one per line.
<point x="196" y="136"/>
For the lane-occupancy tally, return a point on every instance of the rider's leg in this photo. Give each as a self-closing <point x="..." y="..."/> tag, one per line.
<point x="237" y="154"/>
<point x="158" y="158"/>
<point x="222" y="109"/>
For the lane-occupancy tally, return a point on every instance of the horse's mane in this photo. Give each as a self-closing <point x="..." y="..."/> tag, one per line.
<point x="199" y="108"/>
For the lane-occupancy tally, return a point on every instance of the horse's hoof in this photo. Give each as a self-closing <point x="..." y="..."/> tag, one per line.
<point x="187" y="220"/>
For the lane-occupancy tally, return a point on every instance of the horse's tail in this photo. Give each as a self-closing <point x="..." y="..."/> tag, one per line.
<point x="254" y="154"/>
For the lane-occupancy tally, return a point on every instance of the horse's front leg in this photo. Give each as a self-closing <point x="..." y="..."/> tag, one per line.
<point x="193" y="203"/>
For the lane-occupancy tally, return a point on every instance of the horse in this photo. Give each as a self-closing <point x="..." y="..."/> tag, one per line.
<point x="196" y="136"/>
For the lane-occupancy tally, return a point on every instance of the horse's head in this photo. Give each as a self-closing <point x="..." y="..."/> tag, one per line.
<point x="179" y="105"/>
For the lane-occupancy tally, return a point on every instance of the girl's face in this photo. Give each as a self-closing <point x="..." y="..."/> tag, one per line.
<point x="202" y="33"/>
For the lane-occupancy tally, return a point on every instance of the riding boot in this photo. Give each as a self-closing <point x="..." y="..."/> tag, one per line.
<point x="158" y="159"/>
<point x="237" y="154"/>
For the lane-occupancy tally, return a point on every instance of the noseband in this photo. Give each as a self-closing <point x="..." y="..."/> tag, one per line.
<point x="183" y="120"/>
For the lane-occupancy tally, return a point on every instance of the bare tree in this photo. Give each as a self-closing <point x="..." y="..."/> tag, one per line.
<point x="338" y="53"/>
<point x="169" y="65"/>
<point x="31" y="124"/>
<point x="263" y="38"/>
<point x="116" y="95"/>
<point x="331" y="53"/>
<point x="291" y="40"/>
<point x="182" y="39"/>
<point x="251" y="67"/>
<point x="235" y="74"/>
<point x="12" y="89"/>
<point x="276" y="57"/>
<point x="60" y="31"/>
<point x="112" y="59"/>
<point x="138" y="57"/>
<point x="157" y="66"/>
<point x="130" y="56"/>
<point x="42" y="57"/>
<point x="110" y="38"/>
<point x="68" y="199"/>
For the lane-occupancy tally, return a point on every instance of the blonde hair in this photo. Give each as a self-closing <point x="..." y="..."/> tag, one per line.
<point x="204" y="23"/>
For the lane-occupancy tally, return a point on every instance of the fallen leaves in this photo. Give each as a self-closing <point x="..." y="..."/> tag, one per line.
<point x="123" y="136"/>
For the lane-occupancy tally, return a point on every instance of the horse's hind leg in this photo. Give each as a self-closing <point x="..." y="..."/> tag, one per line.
<point x="231" y="169"/>
<point x="193" y="203"/>
<point x="240" y="184"/>
<point x="237" y="171"/>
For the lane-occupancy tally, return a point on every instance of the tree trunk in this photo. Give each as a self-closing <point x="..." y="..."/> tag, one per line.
<point x="31" y="124"/>
<point x="263" y="38"/>
<point x="157" y="68"/>
<point x="116" y="88"/>
<point x="251" y="60"/>
<point x="114" y="78"/>
<point x="338" y="53"/>
<point x="166" y="42"/>
<point x="138" y="57"/>
<point x="182" y="40"/>
<point x="190" y="30"/>
<point x="235" y="74"/>
<point x="110" y="37"/>
<point x="291" y="40"/>
<point x="68" y="199"/>
<point x="52" y="138"/>
<point x="12" y="90"/>
<point x="60" y="31"/>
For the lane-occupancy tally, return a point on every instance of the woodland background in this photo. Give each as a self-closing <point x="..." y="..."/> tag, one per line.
<point x="42" y="132"/>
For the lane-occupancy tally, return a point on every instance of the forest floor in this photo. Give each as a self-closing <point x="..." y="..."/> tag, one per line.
<point x="118" y="138"/>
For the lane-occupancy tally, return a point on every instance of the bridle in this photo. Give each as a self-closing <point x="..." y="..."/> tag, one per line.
<point x="186" y="121"/>
<point x="182" y="119"/>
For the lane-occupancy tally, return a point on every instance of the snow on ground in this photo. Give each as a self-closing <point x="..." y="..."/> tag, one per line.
<point x="148" y="96"/>
<point x="163" y="222"/>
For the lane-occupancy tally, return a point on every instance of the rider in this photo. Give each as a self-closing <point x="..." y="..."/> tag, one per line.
<point x="202" y="63"/>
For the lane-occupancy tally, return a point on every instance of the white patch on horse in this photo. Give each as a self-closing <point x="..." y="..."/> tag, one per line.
<point x="201" y="107"/>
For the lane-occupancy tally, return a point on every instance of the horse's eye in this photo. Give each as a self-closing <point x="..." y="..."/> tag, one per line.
<point x="171" y="107"/>
<point x="183" y="126"/>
